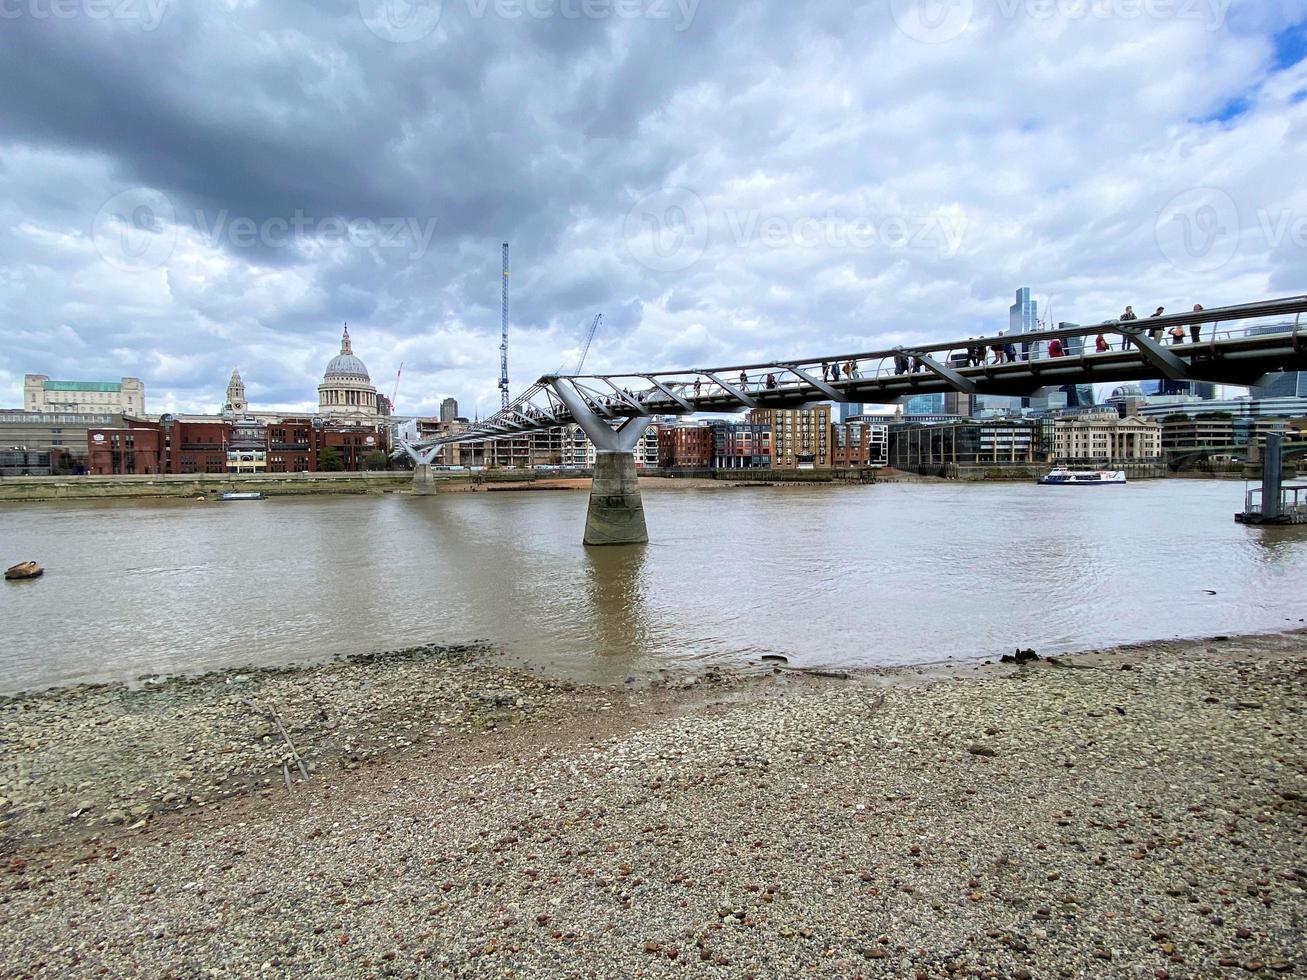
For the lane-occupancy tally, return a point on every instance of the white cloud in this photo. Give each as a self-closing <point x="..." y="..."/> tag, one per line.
<point x="858" y="188"/>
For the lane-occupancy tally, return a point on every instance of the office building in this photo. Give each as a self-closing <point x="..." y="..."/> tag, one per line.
<point x="1181" y="432"/>
<point x="1205" y="390"/>
<point x="1288" y="384"/>
<point x="1023" y="315"/>
<point x="922" y="405"/>
<point x="60" y="433"/>
<point x="1105" y="438"/>
<point x="42" y="395"/>
<point x="448" y="410"/>
<point x="850" y="410"/>
<point x="969" y="442"/>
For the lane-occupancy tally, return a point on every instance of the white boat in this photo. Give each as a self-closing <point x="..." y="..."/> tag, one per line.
<point x="240" y="495"/>
<point x="1082" y="478"/>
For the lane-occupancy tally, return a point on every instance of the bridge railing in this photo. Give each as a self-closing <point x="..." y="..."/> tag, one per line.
<point x="964" y="365"/>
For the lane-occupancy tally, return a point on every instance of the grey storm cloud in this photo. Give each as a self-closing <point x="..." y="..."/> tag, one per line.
<point x="719" y="179"/>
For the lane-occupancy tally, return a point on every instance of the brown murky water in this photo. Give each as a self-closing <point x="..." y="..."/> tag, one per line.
<point x="872" y="575"/>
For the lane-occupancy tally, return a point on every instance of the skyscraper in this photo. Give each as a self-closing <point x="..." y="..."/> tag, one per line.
<point x="849" y="409"/>
<point x="1023" y="315"/>
<point x="1199" y="389"/>
<point x="1286" y="384"/>
<point x="1079" y="396"/>
<point x="448" y="410"/>
<point x="923" y="404"/>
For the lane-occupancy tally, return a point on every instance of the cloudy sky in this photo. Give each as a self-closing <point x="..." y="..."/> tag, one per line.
<point x="189" y="187"/>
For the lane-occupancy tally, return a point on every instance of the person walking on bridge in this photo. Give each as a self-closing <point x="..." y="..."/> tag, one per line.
<point x="698" y="386"/>
<point x="744" y="381"/>
<point x="1101" y="345"/>
<point x="1196" y="329"/>
<point x="1129" y="314"/>
<point x="1155" y="333"/>
<point x="835" y="371"/>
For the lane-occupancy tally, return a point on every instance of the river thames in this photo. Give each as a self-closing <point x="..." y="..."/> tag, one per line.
<point x="828" y="576"/>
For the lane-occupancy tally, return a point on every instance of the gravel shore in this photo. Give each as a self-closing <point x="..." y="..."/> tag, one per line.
<point x="1137" y="812"/>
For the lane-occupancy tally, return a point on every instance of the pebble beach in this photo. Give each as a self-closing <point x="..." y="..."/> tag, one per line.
<point x="1136" y="812"/>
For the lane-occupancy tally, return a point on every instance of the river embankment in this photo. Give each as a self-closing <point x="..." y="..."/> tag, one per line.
<point x="203" y="485"/>
<point x="1134" y="811"/>
<point x="208" y="486"/>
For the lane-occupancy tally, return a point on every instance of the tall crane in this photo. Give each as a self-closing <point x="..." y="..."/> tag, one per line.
<point x="503" y="343"/>
<point x="589" y="339"/>
<point x="395" y="393"/>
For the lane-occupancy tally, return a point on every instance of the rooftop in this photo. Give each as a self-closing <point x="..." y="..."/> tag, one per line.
<point x="82" y="385"/>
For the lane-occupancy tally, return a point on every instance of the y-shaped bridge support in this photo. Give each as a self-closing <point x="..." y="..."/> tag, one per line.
<point x="424" y="477"/>
<point x="616" y="514"/>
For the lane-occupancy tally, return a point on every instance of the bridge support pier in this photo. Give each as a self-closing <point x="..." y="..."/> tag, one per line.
<point x="616" y="514"/>
<point x="424" y="480"/>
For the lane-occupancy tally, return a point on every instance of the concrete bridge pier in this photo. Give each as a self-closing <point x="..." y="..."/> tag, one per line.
<point x="616" y="514"/>
<point x="424" y="479"/>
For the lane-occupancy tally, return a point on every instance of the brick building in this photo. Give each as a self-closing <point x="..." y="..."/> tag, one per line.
<point x="859" y="443"/>
<point x="135" y="450"/>
<point x="209" y="445"/>
<point x="800" y="437"/>
<point x="170" y="445"/>
<point x="685" y="447"/>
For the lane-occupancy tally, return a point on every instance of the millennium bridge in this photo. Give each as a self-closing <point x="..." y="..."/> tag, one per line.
<point x="1228" y="345"/>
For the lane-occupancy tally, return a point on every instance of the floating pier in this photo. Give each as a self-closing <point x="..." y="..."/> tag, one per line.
<point x="1273" y="502"/>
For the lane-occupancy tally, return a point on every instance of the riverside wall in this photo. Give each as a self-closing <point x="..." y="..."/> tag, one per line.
<point x="32" y="488"/>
